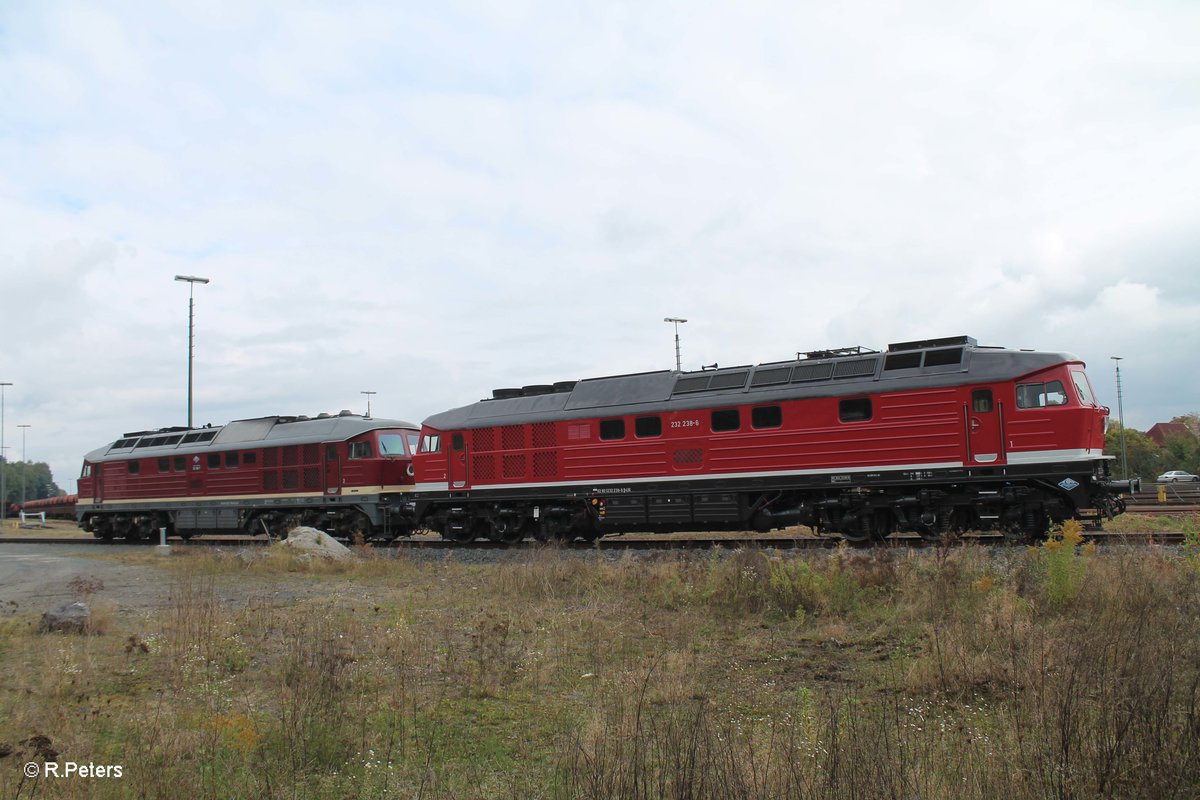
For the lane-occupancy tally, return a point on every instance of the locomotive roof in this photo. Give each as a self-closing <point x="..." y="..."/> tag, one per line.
<point x="823" y="373"/>
<point x="242" y="434"/>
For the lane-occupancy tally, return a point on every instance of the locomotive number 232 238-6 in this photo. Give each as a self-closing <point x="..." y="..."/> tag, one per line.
<point x="685" y="423"/>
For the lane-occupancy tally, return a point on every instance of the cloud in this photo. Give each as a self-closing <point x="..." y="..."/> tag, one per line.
<point x="433" y="201"/>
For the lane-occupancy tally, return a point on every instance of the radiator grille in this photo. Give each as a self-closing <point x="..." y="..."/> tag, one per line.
<point x="543" y="435"/>
<point x="512" y="437"/>
<point x="514" y="466"/>
<point x="483" y="439"/>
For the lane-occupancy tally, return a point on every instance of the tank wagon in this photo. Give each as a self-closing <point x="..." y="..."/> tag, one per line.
<point x="929" y="437"/>
<point x="265" y="475"/>
<point x="61" y="507"/>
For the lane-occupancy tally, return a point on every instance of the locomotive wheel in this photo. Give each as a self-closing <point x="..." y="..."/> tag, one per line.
<point x="461" y="535"/>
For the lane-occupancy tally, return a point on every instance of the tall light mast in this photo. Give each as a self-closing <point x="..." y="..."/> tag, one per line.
<point x="191" y="280"/>
<point x="676" y="321"/>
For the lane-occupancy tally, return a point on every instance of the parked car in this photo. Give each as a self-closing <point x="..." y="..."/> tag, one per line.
<point x="1177" y="475"/>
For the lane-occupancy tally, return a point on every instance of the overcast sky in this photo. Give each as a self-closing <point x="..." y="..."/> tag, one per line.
<point x="432" y="200"/>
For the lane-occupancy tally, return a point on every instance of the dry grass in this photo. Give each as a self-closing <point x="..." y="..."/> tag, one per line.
<point x="1055" y="671"/>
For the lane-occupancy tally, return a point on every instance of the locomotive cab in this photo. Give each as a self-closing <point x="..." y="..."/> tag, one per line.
<point x="379" y="460"/>
<point x="1055" y="406"/>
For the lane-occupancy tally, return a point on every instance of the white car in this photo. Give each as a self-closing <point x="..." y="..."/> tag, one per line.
<point x="1177" y="475"/>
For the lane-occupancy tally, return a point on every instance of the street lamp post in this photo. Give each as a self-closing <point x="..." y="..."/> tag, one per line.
<point x="3" y="460"/>
<point x="1121" y="418"/>
<point x="368" y="394"/>
<point x="191" y="280"/>
<point x="24" y="463"/>
<point x="676" y="321"/>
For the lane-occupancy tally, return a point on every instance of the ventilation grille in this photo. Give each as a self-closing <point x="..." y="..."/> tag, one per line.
<point x="312" y="478"/>
<point x="543" y="435"/>
<point x="514" y="466"/>
<point x="512" y="437"/>
<point x="812" y="372"/>
<point x="855" y="369"/>
<point x="545" y="464"/>
<point x="483" y="468"/>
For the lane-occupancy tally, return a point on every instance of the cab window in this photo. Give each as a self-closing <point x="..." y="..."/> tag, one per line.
<point x="431" y="444"/>
<point x="1040" y="395"/>
<point x="391" y="444"/>
<point x="1083" y="388"/>
<point x="360" y="450"/>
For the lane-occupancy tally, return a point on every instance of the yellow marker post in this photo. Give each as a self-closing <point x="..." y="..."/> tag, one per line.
<point x="1162" y="493"/>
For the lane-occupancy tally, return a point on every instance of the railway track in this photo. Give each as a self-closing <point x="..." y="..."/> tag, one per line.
<point x="1165" y="508"/>
<point x="628" y="543"/>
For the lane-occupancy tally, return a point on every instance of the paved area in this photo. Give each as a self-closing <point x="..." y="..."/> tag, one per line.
<point x="39" y="576"/>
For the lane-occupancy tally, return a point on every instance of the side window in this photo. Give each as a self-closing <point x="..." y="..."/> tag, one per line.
<point x="457" y="443"/>
<point x="1056" y="395"/>
<point x="164" y="465"/>
<point x="981" y="401"/>
<point x="430" y="444"/>
<point x="726" y="419"/>
<point x="855" y="409"/>
<point x="766" y="417"/>
<point x="214" y="460"/>
<point x="180" y="463"/>
<point x="1039" y="395"/>
<point x="644" y="427"/>
<point x="134" y="467"/>
<point x="231" y="459"/>
<point x="362" y="449"/>
<point x="249" y="458"/>
<point x="612" y="429"/>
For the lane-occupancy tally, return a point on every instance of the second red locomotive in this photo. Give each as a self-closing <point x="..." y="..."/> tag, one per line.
<point x="252" y="476"/>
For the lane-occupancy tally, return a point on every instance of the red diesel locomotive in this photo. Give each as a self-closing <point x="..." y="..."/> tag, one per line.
<point x="929" y="437"/>
<point x="266" y="475"/>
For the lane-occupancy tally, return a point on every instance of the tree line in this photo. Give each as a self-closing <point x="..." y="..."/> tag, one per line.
<point x="1148" y="459"/>
<point x="38" y="481"/>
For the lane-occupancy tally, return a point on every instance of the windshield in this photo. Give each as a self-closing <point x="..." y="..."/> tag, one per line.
<point x="1083" y="388"/>
<point x="392" y="444"/>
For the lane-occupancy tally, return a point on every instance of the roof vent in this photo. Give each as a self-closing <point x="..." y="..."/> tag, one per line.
<point x="505" y="394"/>
<point x="345" y="412"/>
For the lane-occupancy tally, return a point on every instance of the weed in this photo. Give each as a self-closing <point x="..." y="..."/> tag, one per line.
<point x="1064" y="563"/>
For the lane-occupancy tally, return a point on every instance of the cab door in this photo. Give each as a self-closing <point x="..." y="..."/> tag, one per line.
<point x="333" y="470"/>
<point x="456" y="465"/>
<point x="985" y="444"/>
<point x="98" y="484"/>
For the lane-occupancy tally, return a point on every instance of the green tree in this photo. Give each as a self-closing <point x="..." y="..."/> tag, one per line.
<point x="1192" y="421"/>
<point x="39" y="482"/>
<point x="1145" y="456"/>
<point x="1182" y="451"/>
